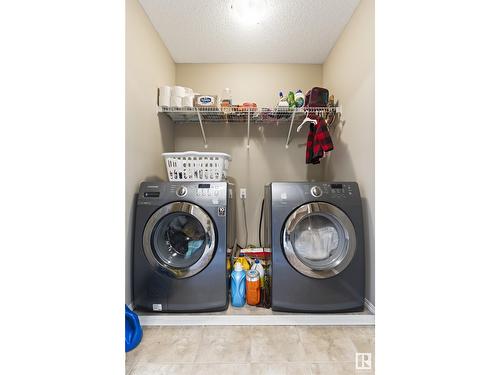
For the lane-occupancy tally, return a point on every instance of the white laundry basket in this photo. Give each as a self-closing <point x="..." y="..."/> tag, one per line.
<point x="196" y="166"/>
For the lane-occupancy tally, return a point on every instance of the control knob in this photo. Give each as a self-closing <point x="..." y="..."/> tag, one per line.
<point x="316" y="191"/>
<point x="181" y="191"/>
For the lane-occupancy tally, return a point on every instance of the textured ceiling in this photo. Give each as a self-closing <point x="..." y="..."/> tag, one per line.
<point x="226" y="31"/>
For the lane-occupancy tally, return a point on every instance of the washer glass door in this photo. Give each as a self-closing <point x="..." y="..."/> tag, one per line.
<point x="179" y="238"/>
<point x="319" y="240"/>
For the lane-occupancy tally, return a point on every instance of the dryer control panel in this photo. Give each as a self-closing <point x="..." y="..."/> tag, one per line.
<point x="293" y="193"/>
<point x="334" y="190"/>
<point x="341" y="190"/>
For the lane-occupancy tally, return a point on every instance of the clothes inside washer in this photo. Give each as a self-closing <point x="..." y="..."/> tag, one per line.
<point x="193" y="246"/>
<point x="315" y="238"/>
<point x="180" y="240"/>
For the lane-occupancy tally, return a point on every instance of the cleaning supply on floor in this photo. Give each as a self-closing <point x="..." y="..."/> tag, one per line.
<point x="253" y="287"/>
<point x="238" y="286"/>
<point x="265" y="291"/>
<point x="133" y="330"/>
<point x="244" y="263"/>
<point x="257" y="266"/>
<point x="266" y="300"/>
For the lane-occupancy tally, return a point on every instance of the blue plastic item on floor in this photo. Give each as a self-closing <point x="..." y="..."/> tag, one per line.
<point x="238" y="287"/>
<point x="133" y="330"/>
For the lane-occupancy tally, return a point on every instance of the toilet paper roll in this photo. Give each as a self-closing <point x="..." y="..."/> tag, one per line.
<point x="179" y="91"/>
<point x="176" y="101"/>
<point x="164" y="100"/>
<point x="187" y="101"/>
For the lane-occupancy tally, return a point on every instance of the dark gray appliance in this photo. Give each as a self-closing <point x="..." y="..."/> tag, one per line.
<point x="315" y="231"/>
<point x="182" y="233"/>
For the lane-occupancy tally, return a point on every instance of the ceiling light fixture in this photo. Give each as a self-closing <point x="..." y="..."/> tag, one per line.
<point x="250" y="12"/>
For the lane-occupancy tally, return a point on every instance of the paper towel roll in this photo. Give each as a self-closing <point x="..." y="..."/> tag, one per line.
<point x="165" y="93"/>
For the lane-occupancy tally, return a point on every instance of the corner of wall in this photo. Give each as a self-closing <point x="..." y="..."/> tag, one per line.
<point x="349" y="73"/>
<point x="148" y="66"/>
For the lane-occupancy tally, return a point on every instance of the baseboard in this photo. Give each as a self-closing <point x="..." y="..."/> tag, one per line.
<point x="257" y="320"/>
<point x="370" y="306"/>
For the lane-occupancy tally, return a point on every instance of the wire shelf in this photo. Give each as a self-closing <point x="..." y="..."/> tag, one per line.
<point x="248" y="115"/>
<point x="185" y="115"/>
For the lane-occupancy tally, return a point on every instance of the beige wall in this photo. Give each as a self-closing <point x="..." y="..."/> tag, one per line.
<point x="258" y="83"/>
<point x="349" y="72"/>
<point x="267" y="159"/>
<point x="148" y="66"/>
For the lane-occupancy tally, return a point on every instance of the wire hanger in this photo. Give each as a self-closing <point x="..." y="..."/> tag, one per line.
<point x="306" y="120"/>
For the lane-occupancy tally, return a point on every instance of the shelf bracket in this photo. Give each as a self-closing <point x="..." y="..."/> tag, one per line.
<point x="248" y="129"/>
<point x="202" y="129"/>
<point x="290" y="129"/>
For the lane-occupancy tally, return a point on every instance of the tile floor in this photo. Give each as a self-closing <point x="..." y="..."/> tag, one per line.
<point x="242" y="350"/>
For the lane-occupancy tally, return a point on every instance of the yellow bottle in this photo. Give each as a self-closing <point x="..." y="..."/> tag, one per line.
<point x="244" y="263"/>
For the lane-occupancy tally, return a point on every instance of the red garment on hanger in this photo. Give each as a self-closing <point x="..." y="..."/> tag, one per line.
<point x="318" y="140"/>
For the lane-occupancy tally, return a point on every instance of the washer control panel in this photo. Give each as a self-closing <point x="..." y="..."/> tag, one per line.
<point x="208" y="190"/>
<point x="213" y="193"/>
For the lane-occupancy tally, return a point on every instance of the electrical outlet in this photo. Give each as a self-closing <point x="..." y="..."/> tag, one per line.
<point x="243" y="193"/>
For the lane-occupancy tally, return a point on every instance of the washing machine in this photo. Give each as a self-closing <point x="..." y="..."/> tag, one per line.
<point x="315" y="231"/>
<point x="182" y="233"/>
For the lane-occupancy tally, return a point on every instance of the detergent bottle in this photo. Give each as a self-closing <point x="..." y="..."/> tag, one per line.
<point x="238" y="291"/>
<point x="291" y="99"/>
<point x="258" y="267"/>
<point x="299" y="99"/>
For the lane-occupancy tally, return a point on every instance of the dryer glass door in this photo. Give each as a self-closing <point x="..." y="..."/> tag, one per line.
<point x="319" y="240"/>
<point x="179" y="238"/>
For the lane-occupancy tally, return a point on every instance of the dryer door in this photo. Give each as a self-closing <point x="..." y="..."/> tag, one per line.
<point x="179" y="238"/>
<point x="319" y="240"/>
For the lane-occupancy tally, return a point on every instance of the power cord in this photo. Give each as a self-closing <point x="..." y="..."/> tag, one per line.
<point x="260" y="223"/>
<point x="245" y="220"/>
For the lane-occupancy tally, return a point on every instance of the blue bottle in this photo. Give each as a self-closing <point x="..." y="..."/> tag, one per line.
<point x="238" y="286"/>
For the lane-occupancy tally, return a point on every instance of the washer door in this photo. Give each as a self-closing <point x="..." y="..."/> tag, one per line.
<point x="319" y="240"/>
<point x="179" y="238"/>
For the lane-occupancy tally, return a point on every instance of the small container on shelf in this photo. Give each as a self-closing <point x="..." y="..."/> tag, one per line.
<point x="205" y="101"/>
<point x="227" y="98"/>
<point x="196" y="166"/>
